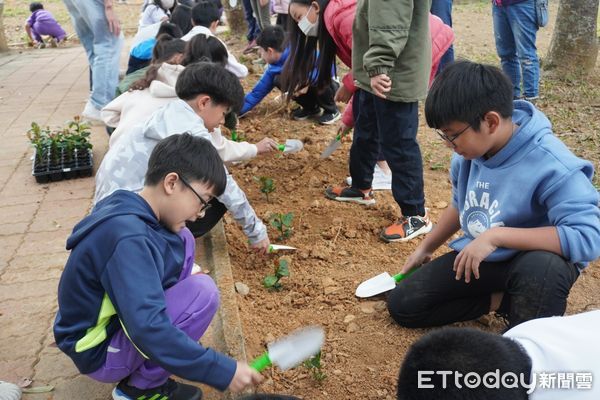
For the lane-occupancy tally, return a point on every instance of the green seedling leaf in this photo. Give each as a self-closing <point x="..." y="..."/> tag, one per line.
<point x="287" y="219"/>
<point x="270" y="281"/>
<point x="283" y="269"/>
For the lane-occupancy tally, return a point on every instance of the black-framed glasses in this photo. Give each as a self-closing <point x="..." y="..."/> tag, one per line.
<point x="205" y="205"/>
<point x="450" y="139"/>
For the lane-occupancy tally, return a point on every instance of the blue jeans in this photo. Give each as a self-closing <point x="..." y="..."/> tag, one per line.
<point x="390" y="127"/>
<point x="103" y="49"/>
<point x="253" y="28"/>
<point x="443" y="9"/>
<point x="515" y="30"/>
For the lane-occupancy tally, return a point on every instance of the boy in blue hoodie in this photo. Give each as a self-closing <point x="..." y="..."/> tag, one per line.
<point x="526" y="206"/>
<point x="130" y="311"/>
<point x="272" y="47"/>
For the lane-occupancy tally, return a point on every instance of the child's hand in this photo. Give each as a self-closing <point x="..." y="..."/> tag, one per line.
<point x="472" y="255"/>
<point x="343" y="130"/>
<point x="266" y="145"/>
<point x="261" y="247"/>
<point x="343" y="94"/>
<point x="416" y="259"/>
<point x="114" y="25"/>
<point x="244" y="377"/>
<point x="381" y="84"/>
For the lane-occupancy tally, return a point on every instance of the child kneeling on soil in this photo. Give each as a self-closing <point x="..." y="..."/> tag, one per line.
<point x="130" y="311"/>
<point x="526" y="206"/>
<point x="206" y="92"/>
<point x="41" y="22"/>
<point x="543" y="359"/>
<point x="272" y="45"/>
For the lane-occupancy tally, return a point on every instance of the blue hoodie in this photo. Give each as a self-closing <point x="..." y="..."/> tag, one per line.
<point x="533" y="181"/>
<point x="122" y="261"/>
<point x="266" y="83"/>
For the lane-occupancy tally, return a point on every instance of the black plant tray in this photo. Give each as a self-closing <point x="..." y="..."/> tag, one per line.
<point x="52" y="169"/>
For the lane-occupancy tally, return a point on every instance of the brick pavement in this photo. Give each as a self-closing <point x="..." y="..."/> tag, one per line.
<point x="50" y="86"/>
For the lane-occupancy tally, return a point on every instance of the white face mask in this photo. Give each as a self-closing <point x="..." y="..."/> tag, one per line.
<point x="307" y="27"/>
<point x="168" y="4"/>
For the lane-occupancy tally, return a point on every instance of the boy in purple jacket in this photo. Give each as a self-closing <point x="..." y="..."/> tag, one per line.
<point x="41" y="22"/>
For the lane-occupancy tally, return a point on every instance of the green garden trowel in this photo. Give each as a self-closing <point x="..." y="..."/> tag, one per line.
<point x="273" y="248"/>
<point x="333" y="146"/>
<point x="291" y="146"/>
<point x="379" y="284"/>
<point x="289" y="351"/>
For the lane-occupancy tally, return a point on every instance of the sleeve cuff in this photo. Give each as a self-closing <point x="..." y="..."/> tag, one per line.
<point x="378" y="71"/>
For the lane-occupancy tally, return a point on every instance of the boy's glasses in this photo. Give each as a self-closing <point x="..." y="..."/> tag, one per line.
<point x="451" y="138"/>
<point x="205" y="205"/>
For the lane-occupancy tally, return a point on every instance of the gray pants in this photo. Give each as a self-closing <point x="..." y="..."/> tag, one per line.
<point x="262" y="14"/>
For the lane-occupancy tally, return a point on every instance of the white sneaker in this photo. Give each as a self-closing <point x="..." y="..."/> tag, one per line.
<point x="381" y="180"/>
<point x="90" y="112"/>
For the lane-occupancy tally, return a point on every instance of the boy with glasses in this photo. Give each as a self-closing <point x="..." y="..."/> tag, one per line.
<point x="526" y="206"/>
<point x="130" y="309"/>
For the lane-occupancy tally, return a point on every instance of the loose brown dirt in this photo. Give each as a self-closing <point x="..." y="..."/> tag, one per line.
<point x="339" y="245"/>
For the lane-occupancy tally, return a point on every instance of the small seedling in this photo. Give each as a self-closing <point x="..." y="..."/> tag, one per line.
<point x="313" y="365"/>
<point x="283" y="223"/>
<point x="267" y="185"/>
<point x="281" y="269"/>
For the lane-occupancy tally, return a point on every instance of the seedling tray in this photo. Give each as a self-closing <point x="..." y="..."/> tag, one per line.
<point x="51" y="169"/>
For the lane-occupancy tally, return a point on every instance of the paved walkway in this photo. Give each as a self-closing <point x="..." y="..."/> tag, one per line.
<point x="48" y="86"/>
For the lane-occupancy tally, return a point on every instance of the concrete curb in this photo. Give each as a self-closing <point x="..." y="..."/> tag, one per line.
<point x="227" y="335"/>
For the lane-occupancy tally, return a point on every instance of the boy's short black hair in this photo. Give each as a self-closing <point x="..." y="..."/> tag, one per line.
<point x="170" y="29"/>
<point x="182" y="17"/>
<point x="205" y="13"/>
<point x="205" y="48"/>
<point x="35" y="6"/>
<point x="465" y="91"/>
<point x="273" y="37"/>
<point x="192" y="158"/>
<point x="463" y="350"/>
<point x="211" y="79"/>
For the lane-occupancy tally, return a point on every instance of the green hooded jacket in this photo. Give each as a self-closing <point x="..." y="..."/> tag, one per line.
<point x="392" y="37"/>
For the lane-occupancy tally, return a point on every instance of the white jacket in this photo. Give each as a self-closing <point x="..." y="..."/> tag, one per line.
<point x="124" y="165"/>
<point x="233" y="65"/>
<point x="136" y="106"/>
<point x="565" y="355"/>
<point x="133" y="108"/>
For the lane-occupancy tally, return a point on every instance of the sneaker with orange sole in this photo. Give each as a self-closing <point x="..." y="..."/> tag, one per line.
<point x="350" y="195"/>
<point x="407" y="228"/>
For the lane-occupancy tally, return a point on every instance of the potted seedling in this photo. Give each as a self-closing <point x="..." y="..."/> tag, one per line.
<point x="266" y="185"/>
<point x="283" y="224"/>
<point x="61" y="154"/>
<point x="282" y="269"/>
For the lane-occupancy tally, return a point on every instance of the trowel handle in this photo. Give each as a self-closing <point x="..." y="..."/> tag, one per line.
<point x="399" y="277"/>
<point x="261" y="363"/>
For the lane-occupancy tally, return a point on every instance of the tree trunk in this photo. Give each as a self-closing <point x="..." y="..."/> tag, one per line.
<point x="3" y="45"/>
<point x="574" y="45"/>
<point x="235" y="19"/>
